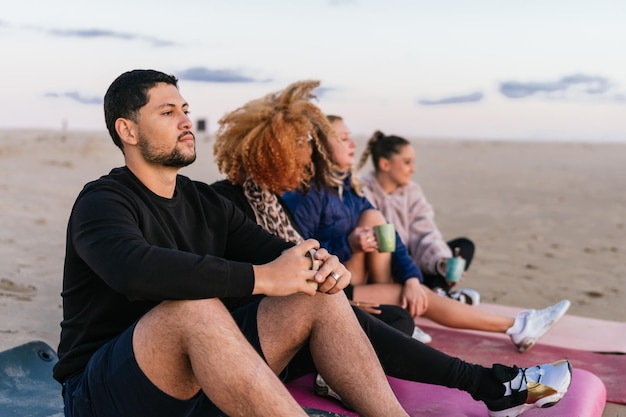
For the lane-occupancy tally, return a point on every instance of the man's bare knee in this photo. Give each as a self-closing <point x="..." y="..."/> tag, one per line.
<point x="163" y="339"/>
<point x="286" y="323"/>
<point x="295" y="316"/>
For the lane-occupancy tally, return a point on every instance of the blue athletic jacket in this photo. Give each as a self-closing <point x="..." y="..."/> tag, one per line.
<point x="320" y="214"/>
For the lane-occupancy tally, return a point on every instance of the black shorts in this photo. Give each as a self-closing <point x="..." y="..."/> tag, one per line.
<point x="113" y="385"/>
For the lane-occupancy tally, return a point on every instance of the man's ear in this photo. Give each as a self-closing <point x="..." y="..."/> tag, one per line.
<point x="127" y="130"/>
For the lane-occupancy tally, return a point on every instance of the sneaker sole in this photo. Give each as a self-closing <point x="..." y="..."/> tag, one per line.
<point x="514" y="412"/>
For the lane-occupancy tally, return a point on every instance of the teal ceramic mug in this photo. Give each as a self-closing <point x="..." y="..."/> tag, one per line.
<point x="455" y="267"/>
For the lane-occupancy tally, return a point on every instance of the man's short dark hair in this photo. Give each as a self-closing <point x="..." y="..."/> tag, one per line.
<point x="129" y="93"/>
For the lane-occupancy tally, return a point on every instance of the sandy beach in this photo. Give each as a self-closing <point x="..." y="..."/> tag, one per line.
<point x="548" y="219"/>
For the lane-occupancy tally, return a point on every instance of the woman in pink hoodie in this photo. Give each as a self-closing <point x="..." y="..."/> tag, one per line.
<point x="391" y="189"/>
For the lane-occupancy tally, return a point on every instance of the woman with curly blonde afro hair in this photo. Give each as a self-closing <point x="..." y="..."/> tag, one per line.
<point x="276" y="141"/>
<point x="271" y="145"/>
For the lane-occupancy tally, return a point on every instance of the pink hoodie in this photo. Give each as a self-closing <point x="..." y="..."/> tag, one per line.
<point x="414" y="219"/>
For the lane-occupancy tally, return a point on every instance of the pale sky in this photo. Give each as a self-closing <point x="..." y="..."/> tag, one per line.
<point x="493" y="69"/>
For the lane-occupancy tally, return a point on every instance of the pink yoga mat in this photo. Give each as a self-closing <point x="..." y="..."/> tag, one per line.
<point x="585" y="398"/>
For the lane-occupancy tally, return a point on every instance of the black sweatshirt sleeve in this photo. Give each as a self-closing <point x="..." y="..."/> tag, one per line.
<point x="142" y="253"/>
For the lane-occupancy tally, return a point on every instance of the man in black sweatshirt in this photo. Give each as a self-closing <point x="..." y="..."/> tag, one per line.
<point x="150" y="253"/>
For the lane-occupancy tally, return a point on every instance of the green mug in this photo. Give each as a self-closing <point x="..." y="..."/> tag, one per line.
<point x="386" y="237"/>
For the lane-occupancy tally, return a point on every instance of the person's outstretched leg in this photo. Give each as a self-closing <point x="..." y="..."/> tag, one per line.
<point x="451" y="313"/>
<point x="505" y="390"/>
<point x="406" y="358"/>
<point x="442" y="310"/>
<point x="187" y="346"/>
<point x="525" y="328"/>
<point x="336" y="342"/>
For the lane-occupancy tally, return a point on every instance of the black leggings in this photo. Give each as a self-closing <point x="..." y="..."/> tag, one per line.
<point x="406" y="358"/>
<point x="403" y="357"/>
<point x="397" y="317"/>
<point x="466" y="248"/>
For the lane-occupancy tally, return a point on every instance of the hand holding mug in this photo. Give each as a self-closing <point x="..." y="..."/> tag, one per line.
<point x="363" y="239"/>
<point x="455" y="267"/>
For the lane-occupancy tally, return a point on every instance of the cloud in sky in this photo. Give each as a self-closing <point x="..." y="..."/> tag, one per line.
<point x="102" y="33"/>
<point x="467" y="98"/>
<point x="76" y="96"/>
<point x="208" y="75"/>
<point x="566" y="87"/>
<point x="341" y="2"/>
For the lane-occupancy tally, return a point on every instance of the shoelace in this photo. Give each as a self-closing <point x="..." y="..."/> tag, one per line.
<point x="524" y="381"/>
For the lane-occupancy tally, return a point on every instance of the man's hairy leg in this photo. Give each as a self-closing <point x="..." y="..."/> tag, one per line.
<point x="341" y="351"/>
<point x="185" y="346"/>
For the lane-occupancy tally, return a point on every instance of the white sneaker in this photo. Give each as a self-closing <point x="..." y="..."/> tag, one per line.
<point x="531" y="325"/>
<point x="421" y="335"/>
<point x="466" y="296"/>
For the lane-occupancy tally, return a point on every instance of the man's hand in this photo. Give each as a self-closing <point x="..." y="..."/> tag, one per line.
<point x="332" y="276"/>
<point x="288" y="274"/>
<point x="414" y="297"/>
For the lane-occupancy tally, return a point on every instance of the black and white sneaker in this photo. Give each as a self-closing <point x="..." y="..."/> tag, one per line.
<point x="541" y="386"/>
<point x="464" y="295"/>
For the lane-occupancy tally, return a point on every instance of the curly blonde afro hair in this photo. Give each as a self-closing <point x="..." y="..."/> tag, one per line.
<point x="269" y="140"/>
